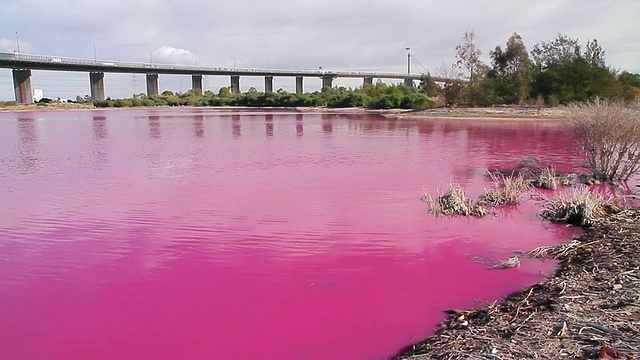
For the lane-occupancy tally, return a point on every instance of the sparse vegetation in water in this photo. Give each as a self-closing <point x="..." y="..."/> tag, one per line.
<point x="578" y="206"/>
<point x="507" y="190"/>
<point x="454" y="202"/>
<point x="546" y="179"/>
<point x="608" y="134"/>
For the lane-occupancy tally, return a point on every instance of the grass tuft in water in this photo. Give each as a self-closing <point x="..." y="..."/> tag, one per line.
<point x="507" y="190"/>
<point x="454" y="202"/>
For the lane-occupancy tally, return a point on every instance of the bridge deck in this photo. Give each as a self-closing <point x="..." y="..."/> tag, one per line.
<point x="41" y="62"/>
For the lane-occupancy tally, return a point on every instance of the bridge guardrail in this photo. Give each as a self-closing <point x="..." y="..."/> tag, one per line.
<point x="103" y="64"/>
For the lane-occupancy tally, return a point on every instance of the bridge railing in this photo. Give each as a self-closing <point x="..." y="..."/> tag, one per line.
<point x="150" y="67"/>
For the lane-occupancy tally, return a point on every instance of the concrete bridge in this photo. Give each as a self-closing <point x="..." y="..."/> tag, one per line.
<point x="22" y="64"/>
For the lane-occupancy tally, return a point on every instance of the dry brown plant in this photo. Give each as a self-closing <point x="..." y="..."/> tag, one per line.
<point x="454" y="202"/>
<point x="608" y="134"/>
<point x="578" y="206"/>
<point x="547" y="179"/>
<point x="507" y="190"/>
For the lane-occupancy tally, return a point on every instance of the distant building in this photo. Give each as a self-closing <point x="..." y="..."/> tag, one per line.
<point x="38" y="94"/>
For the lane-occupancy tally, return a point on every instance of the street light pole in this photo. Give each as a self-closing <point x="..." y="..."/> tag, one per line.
<point x="408" y="60"/>
<point x="95" y="57"/>
<point x="18" y="42"/>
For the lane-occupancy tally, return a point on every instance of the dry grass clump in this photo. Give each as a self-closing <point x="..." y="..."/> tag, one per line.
<point x="507" y="190"/>
<point x="578" y="207"/>
<point x="547" y="179"/>
<point x="454" y="202"/>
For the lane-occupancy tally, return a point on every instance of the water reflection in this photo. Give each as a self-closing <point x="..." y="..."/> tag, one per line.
<point x="299" y="125"/>
<point x="236" y="129"/>
<point x="28" y="153"/>
<point x="100" y="141"/>
<point x="100" y="127"/>
<point x="268" y="125"/>
<point x="327" y="126"/>
<point x="198" y="125"/>
<point x="154" y="127"/>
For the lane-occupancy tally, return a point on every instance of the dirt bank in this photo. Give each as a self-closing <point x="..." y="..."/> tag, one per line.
<point x="593" y="303"/>
<point x="494" y="112"/>
<point x="45" y="107"/>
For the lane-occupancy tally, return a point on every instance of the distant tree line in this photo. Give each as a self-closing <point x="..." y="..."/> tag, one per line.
<point x="557" y="72"/>
<point x="560" y="71"/>
<point x="377" y="96"/>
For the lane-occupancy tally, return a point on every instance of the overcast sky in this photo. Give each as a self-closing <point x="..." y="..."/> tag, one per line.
<point x="288" y="34"/>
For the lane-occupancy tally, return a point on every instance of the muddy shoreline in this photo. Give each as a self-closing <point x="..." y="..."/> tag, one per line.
<point x="590" y="309"/>
<point x="505" y="112"/>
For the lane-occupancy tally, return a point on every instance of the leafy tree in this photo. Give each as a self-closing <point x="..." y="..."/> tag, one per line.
<point x="630" y="85"/>
<point x="224" y="92"/>
<point x="453" y="92"/>
<point x="563" y="72"/>
<point x="429" y="86"/>
<point x="627" y="78"/>
<point x="511" y="71"/>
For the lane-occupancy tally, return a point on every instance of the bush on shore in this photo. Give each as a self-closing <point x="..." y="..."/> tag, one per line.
<point x="378" y="96"/>
<point x="608" y="134"/>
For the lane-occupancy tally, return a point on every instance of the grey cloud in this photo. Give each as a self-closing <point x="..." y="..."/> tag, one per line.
<point x="337" y="34"/>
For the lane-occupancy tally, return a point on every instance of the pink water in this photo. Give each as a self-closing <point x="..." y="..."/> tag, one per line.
<point x="210" y="234"/>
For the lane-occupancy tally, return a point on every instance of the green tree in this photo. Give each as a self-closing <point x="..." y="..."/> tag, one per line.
<point x="224" y="92"/>
<point x="511" y="71"/>
<point x="429" y="86"/>
<point x="562" y="71"/>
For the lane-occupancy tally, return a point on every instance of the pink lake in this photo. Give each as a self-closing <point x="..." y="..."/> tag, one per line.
<point x="238" y="234"/>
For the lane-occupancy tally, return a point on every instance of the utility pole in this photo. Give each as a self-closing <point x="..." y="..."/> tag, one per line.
<point x="408" y="60"/>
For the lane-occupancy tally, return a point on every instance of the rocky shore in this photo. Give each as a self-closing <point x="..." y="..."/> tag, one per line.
<point x="589" y="310"/>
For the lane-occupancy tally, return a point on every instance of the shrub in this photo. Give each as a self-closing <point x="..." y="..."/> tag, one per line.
<point x="608" y="133"/>
<point x="578" y="207"/>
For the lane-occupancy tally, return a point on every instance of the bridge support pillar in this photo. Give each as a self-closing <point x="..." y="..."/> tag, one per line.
<point x="327" y="81"/>
<point x="152" y="84"/>
<point x="22" y="86"/>
<point x="368" y="80"/>
<point x="408" y="82"/>
<point x="235" y="84"/>
<point x="299" y="85"/>
<point x="268" y="84"/>
<point x="96" y="79"/>
<point x="196" y="84"/>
